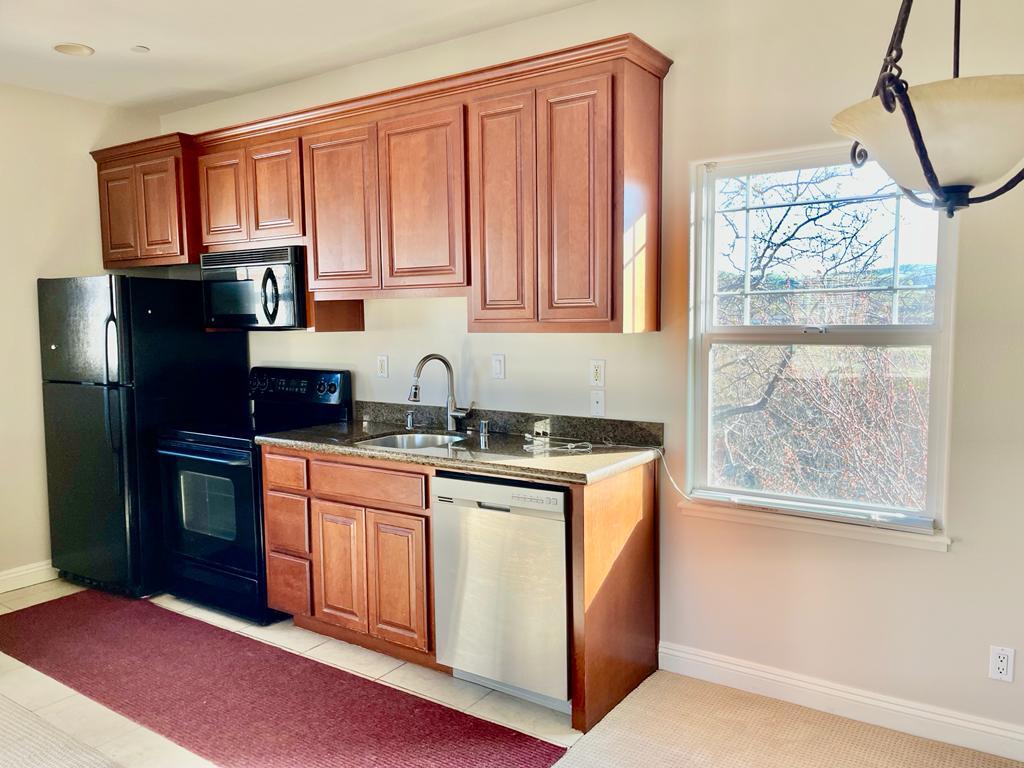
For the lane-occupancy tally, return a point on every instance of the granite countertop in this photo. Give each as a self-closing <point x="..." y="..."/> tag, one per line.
<point x="504" y="454"/>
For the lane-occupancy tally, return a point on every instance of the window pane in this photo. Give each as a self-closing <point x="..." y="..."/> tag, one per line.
<point x="822" y="246"/>
<point x="843" y="423"/>
<point x="917" y="307"/>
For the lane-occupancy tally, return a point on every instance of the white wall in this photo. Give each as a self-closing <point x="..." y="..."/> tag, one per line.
<point x="749" y="77"/>
<point x="49" y="216"/>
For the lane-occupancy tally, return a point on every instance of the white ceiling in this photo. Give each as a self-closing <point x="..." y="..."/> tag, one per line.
<point x="203" y="50"/>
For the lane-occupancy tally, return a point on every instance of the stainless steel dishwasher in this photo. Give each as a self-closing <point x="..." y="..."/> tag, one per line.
<point x="500" y="586"/>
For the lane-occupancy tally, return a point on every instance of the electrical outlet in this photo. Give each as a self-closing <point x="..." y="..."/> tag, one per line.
<point x="382" y="367"/>
<point x="596" y="373"/>
<point x="1000" y="663"/>
<point x="597" y="402"/>
<point x="497" y="366"/>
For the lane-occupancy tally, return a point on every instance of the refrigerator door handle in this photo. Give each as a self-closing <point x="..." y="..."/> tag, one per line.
<point x="113" y="435"/>
<point x="111" y="373"/>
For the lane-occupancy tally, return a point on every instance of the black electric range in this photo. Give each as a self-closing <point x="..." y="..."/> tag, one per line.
<point x="211" y="481"/>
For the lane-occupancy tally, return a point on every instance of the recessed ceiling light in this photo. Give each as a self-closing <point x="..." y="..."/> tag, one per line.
<point x="74" y="49"/>
<point x="139" y="49"/>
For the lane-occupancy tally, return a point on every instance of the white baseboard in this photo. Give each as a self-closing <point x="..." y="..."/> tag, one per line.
<point x="27" y="575"/>
<point x="950" y="726"/>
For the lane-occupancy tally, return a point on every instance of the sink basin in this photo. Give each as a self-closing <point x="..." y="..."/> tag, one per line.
<point x="410" y="441"/>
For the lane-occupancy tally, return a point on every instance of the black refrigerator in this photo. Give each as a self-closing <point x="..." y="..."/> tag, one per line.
<point x="121" y="358"/>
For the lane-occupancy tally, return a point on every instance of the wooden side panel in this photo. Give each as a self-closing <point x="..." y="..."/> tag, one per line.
<point x="118" y="213"/>
<point x="342" y="211"/>
<point x="339" y="561"/>
<point x="287" y="472"/>
<point x="422" y="199"/>
<point x="288" y="584"/>
<point x="222" y="197"/>
<point x="368" y="484"/>
<point x="503" y="207"/>
<point x="574" y="211"/>
<point x="614" y="591"/>
<point x="397" y="577"/>
<point x="286" y="523"/>
<point x="275" y="190"/>
<point x="159" y="217"/>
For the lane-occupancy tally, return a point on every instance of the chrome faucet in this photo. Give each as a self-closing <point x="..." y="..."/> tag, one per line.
<point x="454" y="412"/>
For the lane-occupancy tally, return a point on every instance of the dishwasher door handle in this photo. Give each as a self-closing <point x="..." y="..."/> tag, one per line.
<point x="493" y="507"/>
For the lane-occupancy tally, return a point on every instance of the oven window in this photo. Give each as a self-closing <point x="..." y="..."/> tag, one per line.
<point x="208" y="505"/>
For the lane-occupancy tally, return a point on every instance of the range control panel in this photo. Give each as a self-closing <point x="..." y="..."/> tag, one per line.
<point x="300" y="385"/>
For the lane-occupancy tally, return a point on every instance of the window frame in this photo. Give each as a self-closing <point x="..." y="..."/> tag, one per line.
<point x="938" y="336"/>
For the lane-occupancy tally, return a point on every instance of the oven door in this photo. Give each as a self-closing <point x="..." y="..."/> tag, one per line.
<point x="260" y="297"/>
<point x="210" y="504"/>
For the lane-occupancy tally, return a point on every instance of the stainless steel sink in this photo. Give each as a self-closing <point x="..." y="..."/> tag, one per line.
<point x="410" y="441"/>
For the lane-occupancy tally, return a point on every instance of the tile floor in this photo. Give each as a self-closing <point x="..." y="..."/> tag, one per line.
<point x="133" y="746"/>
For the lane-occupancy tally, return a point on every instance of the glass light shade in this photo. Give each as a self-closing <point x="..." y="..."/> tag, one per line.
<point x="971" y="127"/>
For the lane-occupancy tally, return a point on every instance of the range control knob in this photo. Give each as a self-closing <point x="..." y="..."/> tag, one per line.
<point x="332" y="387"/>
<point x="321" y="387"/>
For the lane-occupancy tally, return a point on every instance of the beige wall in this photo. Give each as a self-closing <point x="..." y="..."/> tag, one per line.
<point x="751" y="77"/>
<point x="49" y="217"/>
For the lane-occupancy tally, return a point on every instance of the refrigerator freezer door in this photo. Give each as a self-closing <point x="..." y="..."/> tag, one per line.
<point x="81" y="335"/>
<point x="89" y="471"/>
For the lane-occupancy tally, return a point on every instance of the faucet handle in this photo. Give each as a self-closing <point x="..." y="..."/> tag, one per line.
<point x="410" y="419"/>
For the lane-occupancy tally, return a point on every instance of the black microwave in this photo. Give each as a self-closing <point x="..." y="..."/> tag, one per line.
<point x="260" y="290"/>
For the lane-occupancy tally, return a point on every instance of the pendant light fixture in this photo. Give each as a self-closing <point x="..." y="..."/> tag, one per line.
<point x="955" y="136"/>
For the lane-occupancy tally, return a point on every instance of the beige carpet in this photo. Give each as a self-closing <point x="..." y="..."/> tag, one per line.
<point x="685" y="723"/>
<point x="27" y="741"/>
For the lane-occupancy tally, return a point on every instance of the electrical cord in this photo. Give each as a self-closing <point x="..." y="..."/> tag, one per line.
<point x="553" y="444"/>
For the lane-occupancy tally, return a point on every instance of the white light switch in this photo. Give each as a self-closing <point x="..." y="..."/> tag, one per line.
<point x="596" y="373"/>
<point x="597" y="402"/>
<point x="382" y="367"/>
<point x="497" y="366"/>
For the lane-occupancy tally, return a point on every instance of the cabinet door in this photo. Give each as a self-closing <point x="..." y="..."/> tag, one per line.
<point x="503" y="207"/>
<point x="397" y="577"/>
<point x="222" y="197"/>
<point x="339" y="563"/>
<point x="288" y="584"/>
<point x="342" y="208"/>
<point x="158" y="211"/>
<point x="574" y="163"/>
<point x="422" y="199"/>
<point x="275" y="192"/>
<point x="118" y="213"/>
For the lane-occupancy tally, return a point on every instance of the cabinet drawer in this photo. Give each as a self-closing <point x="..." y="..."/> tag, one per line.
<point x="289" y="584"/>
<point x="369" y="484"/>
<point x="285" y="472"/>
<point x="286" y="521"/>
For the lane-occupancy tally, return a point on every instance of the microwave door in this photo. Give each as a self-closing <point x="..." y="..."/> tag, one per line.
<point x="231" y="299"/>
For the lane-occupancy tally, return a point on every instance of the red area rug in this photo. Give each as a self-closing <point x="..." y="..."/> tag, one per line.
<point x="240" y="702"/>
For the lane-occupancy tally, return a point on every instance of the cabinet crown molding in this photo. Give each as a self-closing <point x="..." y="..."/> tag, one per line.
<point x="164" y="143"/>
<point x="628" y="47"/>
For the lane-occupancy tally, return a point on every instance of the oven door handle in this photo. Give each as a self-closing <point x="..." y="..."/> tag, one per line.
<point x="202" y="457"/>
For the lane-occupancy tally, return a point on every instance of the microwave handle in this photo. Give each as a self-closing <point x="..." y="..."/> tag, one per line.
<point x="270" y="306"/>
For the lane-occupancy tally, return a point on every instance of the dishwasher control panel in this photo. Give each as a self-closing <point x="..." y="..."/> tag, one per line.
<point x="532" y="499"/>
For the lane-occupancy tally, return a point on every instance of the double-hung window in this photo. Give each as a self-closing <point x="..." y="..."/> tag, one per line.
<point x="820" y="352"/>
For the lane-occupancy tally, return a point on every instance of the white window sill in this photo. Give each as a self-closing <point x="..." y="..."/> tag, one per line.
<point x="935" y="542"/>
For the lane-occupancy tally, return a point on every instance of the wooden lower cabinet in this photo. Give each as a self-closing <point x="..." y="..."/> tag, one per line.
<point x="339" y="562"/>
<point x="288" y="584"/>
<point x="396" y="564"/>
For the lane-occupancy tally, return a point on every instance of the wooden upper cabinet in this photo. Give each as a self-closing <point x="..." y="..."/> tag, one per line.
<point x="222" y="197"/>
<point x="148" y="212"/>
<point x="342" y="213"/>
<point x="422" y="199"/>
<point x="118" y="213"/>
<point x="339" y="564"/>
<point x="503" y="207"/>
<point x="159" y="220"/>
<point x="574" y="168"/>
<point x="396" y="562"/>
<point x="275" y="192"/>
